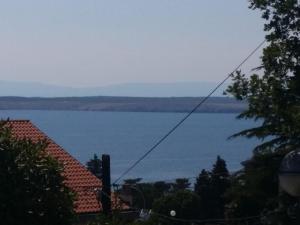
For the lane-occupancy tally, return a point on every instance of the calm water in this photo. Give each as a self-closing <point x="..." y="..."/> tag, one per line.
<point x="127" y="135"/>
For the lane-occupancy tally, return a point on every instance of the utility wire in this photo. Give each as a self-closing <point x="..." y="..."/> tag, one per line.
<point x="186" y="117"/>
<point x="211" y="220"/>
<point x="207" y="220"/>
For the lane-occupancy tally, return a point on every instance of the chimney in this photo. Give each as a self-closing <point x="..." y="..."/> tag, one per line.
<point x="106" y="186"/>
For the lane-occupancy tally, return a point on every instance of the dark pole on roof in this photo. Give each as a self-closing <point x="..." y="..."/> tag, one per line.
<point x="106" y="185"/>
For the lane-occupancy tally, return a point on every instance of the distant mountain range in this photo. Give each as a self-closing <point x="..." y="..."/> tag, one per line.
<point x="132" y="104"/>
<point x="179" y="89"/>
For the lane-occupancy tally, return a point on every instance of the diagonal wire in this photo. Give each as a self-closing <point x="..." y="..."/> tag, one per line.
<point x="247" y="218"/>
<point x="186" y="116"/>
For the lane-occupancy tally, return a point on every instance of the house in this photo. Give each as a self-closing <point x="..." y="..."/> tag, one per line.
<point x="78" y="178"/>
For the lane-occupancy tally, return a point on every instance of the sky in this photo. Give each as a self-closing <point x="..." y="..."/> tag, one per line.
<point x="87" y="43"/>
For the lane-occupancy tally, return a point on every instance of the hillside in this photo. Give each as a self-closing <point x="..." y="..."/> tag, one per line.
<point x="132" y="104"/>
<point x="176" y="89"/>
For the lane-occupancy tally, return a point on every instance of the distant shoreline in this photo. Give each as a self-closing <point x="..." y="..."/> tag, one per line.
<point x="74" y="110"/>
<point x="123" y="104"/>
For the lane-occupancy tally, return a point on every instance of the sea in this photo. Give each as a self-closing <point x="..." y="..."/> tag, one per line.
<point x="126" y="136"/>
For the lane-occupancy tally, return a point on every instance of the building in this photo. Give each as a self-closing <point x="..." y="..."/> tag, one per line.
<point x="78" y="178"/>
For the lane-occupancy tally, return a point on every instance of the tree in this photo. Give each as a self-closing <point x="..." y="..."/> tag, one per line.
<point x="162" y="187"/>
<point x="203" y="182"/>
<point x="220" y="168"/>
<point x="132" y="181"/>
<point x="211" y="188"/>
<point x="184" y="202"/>
<point x="32" y="189"/>
<point x="181" y="184"/>
<point x="254" y="188"/>
<point x="95" y="166"/>
<point x="203" y="188"/>
<point x="144" y="194"/>
<point x="220" y="183"/>
<point x="273" y="96"/>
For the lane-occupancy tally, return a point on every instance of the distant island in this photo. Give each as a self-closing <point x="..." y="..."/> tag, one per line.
<point x="175" y="89"/>
<point x="123" y="104"/>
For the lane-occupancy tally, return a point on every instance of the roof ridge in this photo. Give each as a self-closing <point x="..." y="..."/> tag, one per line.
<point x="16" y="120"/>
<point x="50" y="140"/>
<point x="78" y="177"/>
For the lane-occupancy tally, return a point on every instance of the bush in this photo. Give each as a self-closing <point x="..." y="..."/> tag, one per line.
<point x="32" y="189"/>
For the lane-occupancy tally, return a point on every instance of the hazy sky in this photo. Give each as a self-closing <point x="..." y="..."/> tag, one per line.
<point x="95" y="42"/>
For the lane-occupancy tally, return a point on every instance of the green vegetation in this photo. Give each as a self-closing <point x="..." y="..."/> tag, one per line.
<point x="211" y="187"/>
<point x="185" y="203"/>
<point x="206" y="201"/>
<point x="32" y="189"/>
<point x="273" y="96"/>
<point x="251" y="196"/>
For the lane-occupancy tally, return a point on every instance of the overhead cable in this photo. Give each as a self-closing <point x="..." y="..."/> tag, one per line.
<point x="164" y="137"/>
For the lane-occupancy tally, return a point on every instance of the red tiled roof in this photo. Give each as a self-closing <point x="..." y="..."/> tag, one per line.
<point x="78" y="178"/>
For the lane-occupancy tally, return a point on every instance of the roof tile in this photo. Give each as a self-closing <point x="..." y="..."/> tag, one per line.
<point x="78" y="178"/>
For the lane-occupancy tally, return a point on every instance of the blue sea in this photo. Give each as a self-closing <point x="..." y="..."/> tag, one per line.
<point x="128" y="135"/>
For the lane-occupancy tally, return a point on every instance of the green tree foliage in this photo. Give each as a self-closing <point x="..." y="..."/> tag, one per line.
<point x="181" y="184"/>
<point x="203" y="188"/>
<point x="144" y="194"/>
<point x="184" y="202"/>
<point x="273" y="93"/>
<point x="95" y="166"/>
<point x="211" y="188"/>
<point x="132" y="181"/>
<point x="255" y="187"/>
<point x="162" y="187"/>
<point x="273" y="97"/>
<point x="254" y="192"/>
<point x="203" y="183"/>
<point x="220" y="184"/>
<point x="32" y="189"/>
